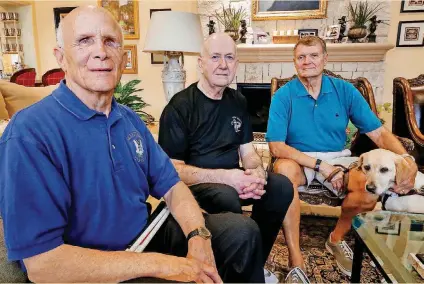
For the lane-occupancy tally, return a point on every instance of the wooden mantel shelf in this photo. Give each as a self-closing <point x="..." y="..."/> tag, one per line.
<point x="341" y="52"/>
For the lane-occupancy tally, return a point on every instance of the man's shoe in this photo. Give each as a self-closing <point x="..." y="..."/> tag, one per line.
<point x="296" y="275"/>
<point x="270" y="277"/>
<point x="343" y="255"/>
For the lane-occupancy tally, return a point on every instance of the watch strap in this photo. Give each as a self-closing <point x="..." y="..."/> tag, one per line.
<point x="317" y="165"/>
<point x="193" y="233"/>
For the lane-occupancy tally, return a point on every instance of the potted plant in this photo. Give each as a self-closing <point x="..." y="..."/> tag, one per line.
<point x="125" y="95"/>
<point x="230" y="18"/>
<point x="360" y="15"/>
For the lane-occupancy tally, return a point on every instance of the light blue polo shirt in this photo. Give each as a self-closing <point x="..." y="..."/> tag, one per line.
<point x="310" y="125"/>
<point x="69" y="174"/>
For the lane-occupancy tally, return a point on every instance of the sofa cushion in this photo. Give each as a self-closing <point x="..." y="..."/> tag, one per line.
<point x="3" y="111"/>
<point x="17" y="97"/>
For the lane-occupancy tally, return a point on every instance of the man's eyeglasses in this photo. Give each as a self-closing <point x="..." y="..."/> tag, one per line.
<point x="229" y="58"/>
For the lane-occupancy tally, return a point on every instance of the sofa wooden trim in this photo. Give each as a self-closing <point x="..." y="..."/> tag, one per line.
<point x="403" y="97"/>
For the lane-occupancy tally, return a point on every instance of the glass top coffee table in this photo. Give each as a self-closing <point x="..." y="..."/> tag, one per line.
<point x="389" y="238"/>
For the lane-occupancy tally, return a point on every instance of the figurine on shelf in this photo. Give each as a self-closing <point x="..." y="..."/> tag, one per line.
<point x="243" y="31"/>
<point x="342" y="23"/>
<point x="373" y="26"/>
<point x="211" y="26"/>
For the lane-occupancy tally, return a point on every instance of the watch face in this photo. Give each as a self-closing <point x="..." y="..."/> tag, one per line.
<point x="204" y="232"/>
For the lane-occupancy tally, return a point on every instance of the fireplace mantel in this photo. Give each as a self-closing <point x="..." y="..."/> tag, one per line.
<point x="341" y="52"/>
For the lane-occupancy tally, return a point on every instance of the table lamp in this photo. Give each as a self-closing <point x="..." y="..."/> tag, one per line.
<point x="173" y="33"/>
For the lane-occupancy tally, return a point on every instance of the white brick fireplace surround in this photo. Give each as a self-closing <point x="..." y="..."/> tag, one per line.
<point x="260" y="63"/>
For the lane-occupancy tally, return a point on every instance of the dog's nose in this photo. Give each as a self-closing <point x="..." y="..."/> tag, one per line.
<point x="371" y="188"/>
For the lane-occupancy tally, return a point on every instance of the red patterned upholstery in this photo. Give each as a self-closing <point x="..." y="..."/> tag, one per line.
<point x="25" y="77"/>
<point x="52" y="77"/>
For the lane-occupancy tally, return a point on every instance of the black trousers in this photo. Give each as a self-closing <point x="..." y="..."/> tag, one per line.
<point x="268" y="212"/>
<point x="236" y="243"/>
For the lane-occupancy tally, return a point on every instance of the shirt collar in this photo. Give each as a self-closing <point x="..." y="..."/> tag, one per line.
<point x="69" y="101"/>
<point x="325" y="87"/>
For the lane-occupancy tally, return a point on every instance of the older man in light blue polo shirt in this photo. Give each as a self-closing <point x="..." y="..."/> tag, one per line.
<point x="306" y="132"/>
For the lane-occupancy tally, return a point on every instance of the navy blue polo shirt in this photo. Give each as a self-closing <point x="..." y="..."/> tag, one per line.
<point x="310" y="125"/>
<point x="71" y="175"/>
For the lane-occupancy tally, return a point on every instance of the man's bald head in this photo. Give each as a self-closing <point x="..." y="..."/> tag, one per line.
<point x="217" y="38"/>
<point x="90" y="50"/>
<point x="218" y="60"/>
<point x="80" y="13"/>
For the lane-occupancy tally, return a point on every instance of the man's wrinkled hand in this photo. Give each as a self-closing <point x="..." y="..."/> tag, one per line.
<point x="243" y="183"/>
<point x="255" y="190"/>
<point x="337" y="180"/>
<point x="405" y="179"/>
<point x="201" y="250"/>
<point x="188" y="270"/>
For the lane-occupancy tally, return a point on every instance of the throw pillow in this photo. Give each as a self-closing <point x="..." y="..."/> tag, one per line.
<point x="17" y="97"/>
<point x="3" y="111"/>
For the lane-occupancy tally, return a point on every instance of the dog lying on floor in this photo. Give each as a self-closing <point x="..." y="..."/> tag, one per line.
<point x="382" y="169"/>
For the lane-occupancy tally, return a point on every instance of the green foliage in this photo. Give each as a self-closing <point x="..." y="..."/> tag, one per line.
<point x="386" y="107"/>
<point x="362" y="12"/>
<point x="230" y="17"/>
<point x="125" y="95"/>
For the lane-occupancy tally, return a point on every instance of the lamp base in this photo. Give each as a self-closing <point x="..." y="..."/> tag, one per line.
<point x="173" y="74"/>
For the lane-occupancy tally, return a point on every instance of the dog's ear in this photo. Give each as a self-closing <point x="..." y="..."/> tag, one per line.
<point x="360" y="161"/>
<point x="401" y="169"/>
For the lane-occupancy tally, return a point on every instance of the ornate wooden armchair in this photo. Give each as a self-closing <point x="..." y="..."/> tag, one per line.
<point x="360" y="142"/>
<point x="408" y="113"/>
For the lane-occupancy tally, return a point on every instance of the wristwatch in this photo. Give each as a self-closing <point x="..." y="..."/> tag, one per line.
<point x="201" y="231"/>
<point x="317" y="164"/>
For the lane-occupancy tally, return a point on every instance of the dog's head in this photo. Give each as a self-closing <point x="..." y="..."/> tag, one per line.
<point x="382" y="168"/>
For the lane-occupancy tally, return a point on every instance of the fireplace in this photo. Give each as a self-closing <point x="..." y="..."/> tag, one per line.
<point x="258" y="96"/>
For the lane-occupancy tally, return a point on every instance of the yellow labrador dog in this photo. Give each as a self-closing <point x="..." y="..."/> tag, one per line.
<point x="383" y="169"/>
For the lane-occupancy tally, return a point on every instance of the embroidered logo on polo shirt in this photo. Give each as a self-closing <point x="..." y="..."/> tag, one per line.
<point x="236" y="123"/>
<point x="136" y="144"/>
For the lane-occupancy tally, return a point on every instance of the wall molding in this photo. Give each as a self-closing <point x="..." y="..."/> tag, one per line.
<point x="337" y="52"/>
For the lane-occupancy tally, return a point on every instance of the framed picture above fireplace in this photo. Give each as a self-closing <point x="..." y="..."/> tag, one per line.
<point x="263" y="10"/>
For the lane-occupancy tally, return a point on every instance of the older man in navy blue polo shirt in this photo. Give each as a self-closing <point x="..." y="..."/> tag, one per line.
<point x="76" y="169"/>
<point x="306" y="132"/>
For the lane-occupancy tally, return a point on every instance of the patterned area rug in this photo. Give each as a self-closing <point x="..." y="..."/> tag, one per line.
<point x="321" y="266"/>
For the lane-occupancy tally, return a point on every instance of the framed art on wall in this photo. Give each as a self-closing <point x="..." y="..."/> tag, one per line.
<point x="263" y="10"/>
<point x="60" y="13"/>
<point x="412" y="6"/>
<point x="131" y="67"/>
<point x="410" y="34"/>
<point x="126" y="13"/>
<point x="156" y="58"/>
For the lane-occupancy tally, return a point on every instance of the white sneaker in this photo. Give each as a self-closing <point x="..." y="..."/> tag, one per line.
<point x="297" y="275"/>
<point x="270" y="277"/>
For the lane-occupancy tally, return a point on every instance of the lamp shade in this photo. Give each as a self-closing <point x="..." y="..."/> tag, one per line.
<point x="174" y="31"/>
